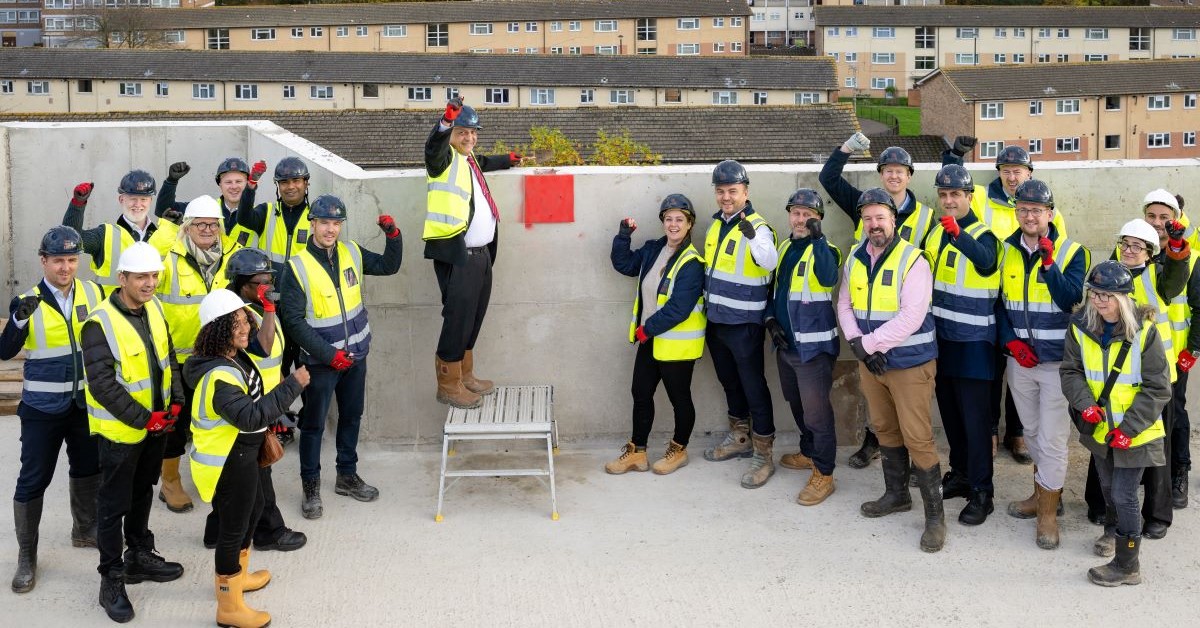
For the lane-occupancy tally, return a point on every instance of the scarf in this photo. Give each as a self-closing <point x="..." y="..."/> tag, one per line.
<point x="208" y="259"/>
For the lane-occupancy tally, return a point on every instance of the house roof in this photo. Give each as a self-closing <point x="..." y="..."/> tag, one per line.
<point x="815" y="73"/>
<point x="396" y="137"/>
<point x="1058" y="80"/>
<point x="439" y="12"/>
<point x="1008" y="16"/>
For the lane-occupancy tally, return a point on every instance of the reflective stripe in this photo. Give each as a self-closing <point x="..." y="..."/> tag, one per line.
<point x="682" y="335"/>
<point x="1041" y="334"/>
<point x="749" y="306"/>
<point x="1122" y="378"/>
<point x="443" y="218"/>
<point x="354" y="338"/>
<point x="739" y="279"/>
<point x="816" y="336"/>
<point x="814" y="297"/>
<point x="210" y="460"/>
<point x="1046" y="308"/>
<point x="112" y="233"/>
<point x="269" y="362"/>
<point x="333" y="321"/>
<point x="966" y="319"/>
<point x="52" y="387"/>
<point x="171" y="299"/>
<point x="918" y="339"/>
<point x="974" y="293"/>
<point x="42" y="354"/>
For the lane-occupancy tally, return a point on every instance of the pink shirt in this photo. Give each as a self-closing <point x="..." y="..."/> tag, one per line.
<point x="916" y="290"/>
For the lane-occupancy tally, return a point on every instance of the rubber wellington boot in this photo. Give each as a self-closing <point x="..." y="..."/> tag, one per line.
<point x="629" y="460"/>
<point x="1047" y="521"/>
<point x="252" y="580"/>
<point x="1025" y="508"/>
<point x="27" y="517"/>
<point x="896" y="495"/>
<point x="232" y="611"/>
<point x="450" y="386"/>
<point x="83" y="510"/>
<point x="472" y="383"/>
<point x="675" y="457"/>
<point x="762" y="463"/>
<point x="171" y="491"/>
<point x="736" y="443"/>
<point x="930" y="482"/>
<point x="1124" y="568"/>
<point x="865" y="454"/>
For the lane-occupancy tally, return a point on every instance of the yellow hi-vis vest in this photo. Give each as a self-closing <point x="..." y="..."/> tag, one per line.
<point x="876" y="300"/>
<point x="335" y="312"/>
<point x="212" y="436"/>
<point x="963" y="300"/>
<point x="53" y="370"/>
<point x="1145" y="292"/>
<point x="1035" y="318"/>
<point x="280" y="245"/>
<point x="448" y="200"/>
<point x="684" y="341"/>
<point x="133" y="359"/>
<point x="1001" y="218"/>
<point x="116" y="240"/>
<point x="1096" y="366"/>
<point x="810" y="305"/>
<point x="270" y="367"/>
<point x="236" y="232"/>
<point x="181" y="288"/>
<point x="1180" y="313"/>
<point x="737" y="287"/>
<point x="915" y="227"/>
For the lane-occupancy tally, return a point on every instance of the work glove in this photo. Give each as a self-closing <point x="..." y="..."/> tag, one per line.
<point x="640" y="334"/>
<point x="264" y="298"/>
<point x="1022" y="353"/>
<point x="963" y="144"/>
<point x="453" y="108"/>
<point x="859" y="352"/>
<point x="387" y="224"/>
<point x="278" y="427"/>
<point x="82" y="192"/>
<point x="160" y="422"/>
<point x="628" y="226"/>
<point x="1118" y="440"/>
<point x="876" y="363"/>
<point x="178" y="170"/>
<point x="1046" y="250"/>
<point x="814" y="228"/>
<point x="1093" y="415"/>
<point x="257" y="171"/>
<point x="341" y="360"/>
<point x="951" y="226"/>
<point x="26" y="307"/>
<point x="857" y="142"/>
<point x="745" y="227"/>
<point x="1175" y="240"/>
<point x="514" y="158"/>
<point x="1186" y="361"/>
<point x="173" y="215"/>
<point x="778" y="336"/>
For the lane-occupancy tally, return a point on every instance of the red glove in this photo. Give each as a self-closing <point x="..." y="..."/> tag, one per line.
<point x="341" y="360"/>
<point x="1093" y="415"/>
<point x="1022" y="353"/>
<point x="176" y="409"/>
<point x="1046" y="248"/>
<point x="82" y="192"/>
<point x="640" y="334"/>
<point x="263" y="298"/>
<point x="1186" y="361"/>
<point x="453" y="107"/>
<point x="388" y="225"/>
<point x="279" y="427"/>
<point x="951" y="226"/>
<point x="514" y="158"/>
<point x="256" y="171"/>
<point x="1175" y="231"/>
<point x="160" y="421"/>
<point x="1118" y="439"/>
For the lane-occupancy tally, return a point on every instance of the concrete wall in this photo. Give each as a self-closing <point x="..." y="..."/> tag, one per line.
<point x="559" y="313"/>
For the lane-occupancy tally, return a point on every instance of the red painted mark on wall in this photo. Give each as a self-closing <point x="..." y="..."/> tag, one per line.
<point x="549" y="198"/>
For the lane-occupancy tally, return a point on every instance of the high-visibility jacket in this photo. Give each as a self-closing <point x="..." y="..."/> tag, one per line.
<point x="810" y="306"/>
<point x="133" y="370"/>
<point x="236" y="232"/>
<point x="964" y="301"/>
<point x="181" y="288"/>
<point x="270" y="367"/>
<point x="1145" y="292"/>
<point x="684" y="341"/>
<point x="1001" y="218"/>
<point x="737" y="287"/>
<point x="335" y="311"/>
<point x="448" y="200"/>
<point x="1035" y="318"/>
<point x="875" y="299"/>
<point x="116" y="240"/>
<point x="279" y="244"/>
<point x="53" y="370"/>
<point x="1097" y="363"/>
<point x="212" y="436"/>
<point x="915" y="227"/>
<point x="1180" y="313"/>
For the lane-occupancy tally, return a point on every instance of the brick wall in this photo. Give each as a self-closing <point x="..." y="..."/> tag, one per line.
<point x="942" y="110"/>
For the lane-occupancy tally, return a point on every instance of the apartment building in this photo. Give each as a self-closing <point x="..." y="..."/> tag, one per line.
<point x="881" y="49"/>
<point x="559" y="27"/>
<point x="1070" y="111"/>
<point x="781" y="23"/>
<point x="61" y="80"/>
<point x="20" y="23"/>
<point x="75" y="22"/>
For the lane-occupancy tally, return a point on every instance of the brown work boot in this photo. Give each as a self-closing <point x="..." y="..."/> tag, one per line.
<point x="1020" y="453"/>
<point x="630" y="460"/>
<point x="1026" y="508"/>
<point x="675" y="457"/>
<point x="796" y="461"/>
<point x="1047" y="521"/>
<point x="736" y="443"/>
<point x="450" y="386"/>
<point x="762" y="463"/>
<point x="472" y="383"/>
<point x="818" y="488"/>
<point x="170" y="490"/>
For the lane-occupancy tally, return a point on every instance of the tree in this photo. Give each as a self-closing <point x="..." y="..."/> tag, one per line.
<point x="118" y="27"/>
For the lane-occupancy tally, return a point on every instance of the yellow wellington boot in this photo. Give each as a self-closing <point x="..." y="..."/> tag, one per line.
<point x="472" y="383"/>
<point x="171" y="490"/>
<point x="254" y="580"/>
<point x="232" y="611"/>
<point x="630" y="460"/>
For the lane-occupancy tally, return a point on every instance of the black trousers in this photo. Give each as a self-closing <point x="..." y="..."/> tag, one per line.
<point x="42" y="437"/>
<point x="968" y="426"/>
<point x="128" y="474"/>
<point x="270" y="523"/>
<point x="466" y="291"/>
<point x="1181" y="430"/>
<point x="676" y="378"/>
<point x="806" y="387"/>
<point x="237" y="502"/>
<point x="177" y="439"/>
<point x="1156" y="504"/>
<point x="1012" y="420"/>
<point x="737" y="356"/>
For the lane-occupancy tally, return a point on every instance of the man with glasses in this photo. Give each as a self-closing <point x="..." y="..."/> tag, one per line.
<point x="1041" y="282"/>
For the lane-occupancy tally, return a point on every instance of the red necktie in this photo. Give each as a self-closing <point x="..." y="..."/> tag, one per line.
<point x="487" y="194"/>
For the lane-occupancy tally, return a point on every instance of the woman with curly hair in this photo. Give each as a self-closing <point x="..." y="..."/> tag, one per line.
<point x="230" y="416"/>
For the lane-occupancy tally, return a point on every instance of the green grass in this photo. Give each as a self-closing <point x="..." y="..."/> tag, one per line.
<point x="909" y="117"/>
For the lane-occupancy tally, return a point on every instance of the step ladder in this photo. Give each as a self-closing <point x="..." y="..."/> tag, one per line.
<point x="12" y="375"/>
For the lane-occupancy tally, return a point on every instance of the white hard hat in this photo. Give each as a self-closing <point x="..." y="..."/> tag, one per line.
<point x="1163" y="197"/>
<point x="141" y="257"/>
<point x="202" y="207"/>
<point x="1142" y="230"/>
<point x="218" y="303"/>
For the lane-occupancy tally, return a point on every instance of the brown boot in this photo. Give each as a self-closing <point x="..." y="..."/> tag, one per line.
<point x="762" y="463"/>
<point x="450" y="386"/>
<point x="232" y="611"/>
<point x="675" y="457"/>
<point x="1047" y="521"/>
<point x="1026" y="508"/>
<point x="253" y="580"/>
<point x="796" y="461"/>
<point x="630" y="460"/>
<point x="818" y="488"/>
<point x="472" y="383"/>
<point x="735" y="445"/>
<point x="171" y="491"/>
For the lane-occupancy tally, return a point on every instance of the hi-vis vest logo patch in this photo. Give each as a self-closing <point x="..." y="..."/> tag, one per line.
<point x="80" y="312"/>
<point x="887" y="277"/>
<point x="301" y="236"/>
<point x="951" y="258"/>
<point x="729" y="247"/>
<point x="906" y="233"/>
<point x="351" y="277"/>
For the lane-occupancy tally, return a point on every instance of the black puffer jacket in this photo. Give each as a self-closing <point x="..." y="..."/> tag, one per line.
<point x="235" y="406"/>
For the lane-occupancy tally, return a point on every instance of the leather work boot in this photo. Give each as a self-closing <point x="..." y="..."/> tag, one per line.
<point x="675" y="457"/>
<point x="1179" y="486"/>
<point x="896" y="496"/>
<point x="170" y="490"/>
<point x="736" y="443"/>
<point x="113" y="597"/>
<point x="148" y="564"/>
<point x="83" y="510"/>
<point x="930" y="482"/>
<point x="1016" y="447"/>
<point x="865" y="454"/>
<point x="232" y="611"/>
<point x="1124" y="568"/>
<point x="1106" y="543"/>
<point x="311" y="507"/>
<point x="819" y="487"/>
<point x="629" y="460"/>
<point x="1026" y="508"/>
<point x="762" y="463"/>
<point x="796" y="461"/>
<point x="353" y="486"/>
<point x="1047" y="522"/>
<point x="450" y="386"/>
<point x="252" y="580"/>
<point x="978" y="507"/>
<point x="472" y="383"/>
<point x="955" y="484"/>
<point x="26" y="517"/>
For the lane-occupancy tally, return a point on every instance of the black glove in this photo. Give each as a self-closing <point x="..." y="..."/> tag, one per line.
<point x="876" y="363"/>
<point x="746" y="228"/>
<point x="178" y="170"/>
<point x="859" y="352"/>
<point x="626" y="229"/>
<point x="173" y="215"/>
<point x="778" y="336"/>
<point x="26" y="307"/>
<point x="963" y="144"/>
<point x="814" y="228"/>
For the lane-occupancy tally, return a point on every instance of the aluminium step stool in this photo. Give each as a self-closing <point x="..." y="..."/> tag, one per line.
<point x="511" y="413"/>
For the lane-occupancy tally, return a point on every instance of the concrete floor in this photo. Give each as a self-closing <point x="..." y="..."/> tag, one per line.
<point x="688" y="549"/>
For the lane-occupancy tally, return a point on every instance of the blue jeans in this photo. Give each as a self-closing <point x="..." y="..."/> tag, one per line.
<point x="737" y="355"/>
<point x="806" y="387"/>
<point x="1120" y="488"/>
<point x="350" y="387"/>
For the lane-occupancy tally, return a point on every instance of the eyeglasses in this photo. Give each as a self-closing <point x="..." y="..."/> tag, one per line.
<point x="1101" y="297"/>
<point x="206" y="226"/>
<point x="1036" y="212"/>
<point x="1132" y="247"/>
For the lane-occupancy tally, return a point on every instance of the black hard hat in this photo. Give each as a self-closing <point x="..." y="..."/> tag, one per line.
<point x="954" y="177"/>
<point x="248" y="262"/>
<point x="328" y="207"/>
<point x="894" y="155"/>
<point x="730" y="171"/>
<point x="232" y="164"/>
<point x="1035" y="191"/>
<point x="138" y="183"/>
<point x="677" y="201"/>
<point x="290" y="168"/>
<point x="806" y="197"/>
<point x="876" y="196"/>
<point x="60" y="240"/>
<point x="467" y="118"/>
<point x="1014" y="156"/>
<point x="1110" y="276"/>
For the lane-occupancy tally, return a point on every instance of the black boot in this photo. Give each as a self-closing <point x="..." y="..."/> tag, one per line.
<point x="896" y="496"/>
<point x="27" y="517"/>
<point x="1154" y="529"/>
<point x="311" y="507"/>
<point x="1123" y="568"/>
<point x="955" y="484"/>
<point x="1179" y="486"/>
<point x="978" y="507"/>
<point x="147" y="564"/>
<point x="83" y="510"/>
<point x="865" y="454"/>
<point x="930" y="482"/>
<point x="353" y="486"/>
<point x="113" y="597"/>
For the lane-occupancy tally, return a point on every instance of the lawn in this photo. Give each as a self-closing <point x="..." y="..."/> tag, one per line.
<point x="908" y="117"/>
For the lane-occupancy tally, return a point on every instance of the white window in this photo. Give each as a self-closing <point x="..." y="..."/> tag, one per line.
<point x="851" y="57"/>
<point x="1066" y="145"/>
<point x="735" y="46"/>
<point x="1063" y="58"/>
<point x="320" y="92"/>
<point x="851" y="81"/>
<point x="496" y="96"/>
<point x="1000" y="33"/>
<point x="1035" y="107"/>
<point x="1035" y="146"/>
<point x="1189" y="138"/>
<point x="1064" y="33"/>
<point x="1184" y="34"/>
<point x="966" y="33"/>
<point x="883" y="58"/>
<point x="775" y="15"/>
<point x="514" y="27"/>
<point x="882" y="83"/>
<point x="724" y="98"/>
<point x="421" y="94"/>
<point x="451" y="93"/>
<point x="687" y="23"/>
<point x="1018" y="57"/>
<point x="587" y="96"/>
<point x="1043" y="58"/>
<point x="718" y="22"/>
<point x="991" y="111"/>
<point x="395" y="30"/>
<point x="758" y="17"/>
<point x="360" y="31"/>
<point x="1019" y="33"/>
<point x="173" y="37"/>
<point x="807" y="98"/>
<point x="245" y="91"/>
<point x="999" y="58"/>
<point x="835" y="55"/>
<point x="204" y="91"/>
<point x="1095" y="33"/>
<point x="531" y="50"/>
<point x="718" y="46"/>
<point x="575" y="26"/>
<point x="609" y="50"/>
<point x="480" y="51"/>
<point x="760" y="98"/>
<point x="883" y="32"/>
<point x="298" y="32"/>
<point x="832" y="31"/>
<point x="735" y="21"/>
<point x="966" y="58"/>
<point x="513" y="51"/>
<point x="1067" y="106"/>
<point x="1044" y="33"/>
<point x="604" y="26"/>
<point x="851" y="31"/>
<point x="482" y="28"/>
<point x="1189" y="101"/>
<point x="541" y="96"/>
<point x="531" y="27"/>
<point x="316" y="31"/>
<point x="1158" y="140"/>
<point x="1158" y="102"/>
<point x="989" y="150"/>
<point x="342" y="31"/>
<point x="289" y="92"/>
<point x="262" y="33"/>
<point x="555" y="27"/>
<point x="620" y="96"/>
<point x="162" y="90"/>
<point x="574" y="50"/>
<point x="687" y="49"/>
<point x="38" y="88"/>
<point x="1095" y="57"/>
<point x="6" y="87"/>
<point x="556" y="50"/>
<point x="923" y="62"/>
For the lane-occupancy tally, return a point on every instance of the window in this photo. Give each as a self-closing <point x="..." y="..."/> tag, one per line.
<point x="1035" y="107"/>
<point x="395" y="30"/>
<point x="316" y="31"/>
<point x="173" y="37"/>
<point x="852" y="82"/>
<point x="1067" y="105"/>
<point x="496" y="95"/>
<point x="620" y="96"/>
<point x="204" y="91"/>
<point x="437" y="35"/>
<point x="289" y="92"/>
<point x="6" y="87"/>
<point x="588" y="96"/>
<point x="1064" y="33"/>
<point x="724" y="98"/>
<point x="1043" y="33"/>
<point x="342" y="31"/>
<point x="883" y="32"/>
<point x="687" y="23"/>
<point x="513" y="51"/>
<point x="1112" y="142"/>
<point x="687" y="49"/>
<point x="735" y="21"/>
<point x="612" y="50"/>
<point x="1000" y="33"/>
<point x="718" y="46"/>
<point x="1018" y="57"/>
<point x="882" y="83"/>
<point x="1066" y="145"/>
<point x="1158" y="102"/>
<point x="760" y="98"/>
<point x="484" y="28"/>
<point x="479" y="51"/>
<point x="718" y="22"/>
<point x="84" y="86"/>
<point x="360" y="31"/>
<point x="1189" y="138"/>
<point x="370" y="90"/>
<point x="531" y="50"/>
<point x="1184" y="34"/>
<point x="966" y="58"/>
<point x="1139" y="38"/>
<point x="835" y="55"/>
<point x="807" y="98"/>
<point x="422" y="94"/>
<point x="1063" y="58"/>
<point x="673" y="94"/>
<point x="925" y="38"/>
<point x="298" y="32"/>
<point x="451" y="93"/>
<point x="245" y="91"/>
<point x="605" y="26"/>
<point x="758" y="17"/>
<point x="1035" y="146"/>
<point x="924" y="63"/>
<point x="1095" y="57"/>
<point x="555" y="27"/>
<point x="320" y="92"/>
<point x="991" y="111"/>
<point x="832" y="31"/>
<point x="574" y="26"/>
<point x="218" y="39"/>
<point x="1112" y="103"/>
<point x="966" y="33"/>
<point x="574" y="50"/>
<point x="556" y="50"/>
<point x="37" y="88"/>
<point x="883" y="58"/>
<point x="1043" y="58"/>
<point x="989" y="150"/>
<point x="1158" y="140"/>
<point x="541" y="96"/>
<point x="1095" y="33"/>
<point x="999" y="58"/>
<point x="262" y="33"/>
<point x="1189" y="101"/>
<point x="735" y="46"/>
<point x="647" y="29"/>
<point x="851" y="57"/>
<point x="647" y="51"/>
<point x="514" y="27"/>
<point x="1019" y="33"/>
